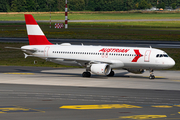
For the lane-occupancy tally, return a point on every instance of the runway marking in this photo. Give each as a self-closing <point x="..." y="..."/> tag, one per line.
<point x="179" y="112"/>
<point x="159" y="77"/>
<point x="177" y="105"/>
<point x="176" y="80"/>
<point x="156" y="76"/>
<point x="139" y="117"/>
<point x="162" y="106"/>
<point x="20" y="73"/>
<point x="15" y="109"/>
<point x="105" y="106"/>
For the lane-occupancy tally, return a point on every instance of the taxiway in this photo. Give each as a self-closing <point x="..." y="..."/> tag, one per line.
<point x="41" y="93"/>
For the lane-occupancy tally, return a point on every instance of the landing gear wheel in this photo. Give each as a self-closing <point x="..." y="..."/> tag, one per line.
<point x="86" y="74"/>
<point x="151" y="77"/>
<point x="111" y="74"/>
<point x="151" y="74"/>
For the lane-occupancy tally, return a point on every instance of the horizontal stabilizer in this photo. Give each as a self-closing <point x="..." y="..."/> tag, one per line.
<point x="13" y="48"/>
<point x="32" y="50"/>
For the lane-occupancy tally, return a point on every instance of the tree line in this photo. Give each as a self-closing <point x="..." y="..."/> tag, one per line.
<point x="83" y="5"/>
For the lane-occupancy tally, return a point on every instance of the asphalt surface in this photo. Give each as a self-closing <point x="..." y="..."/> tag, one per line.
<point x="133" y="43"/>
<point x="40" y="93"/>
<point x="32" y="102"/>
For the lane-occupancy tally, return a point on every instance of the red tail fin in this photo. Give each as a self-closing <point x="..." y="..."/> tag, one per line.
<point x="35" y="34"/>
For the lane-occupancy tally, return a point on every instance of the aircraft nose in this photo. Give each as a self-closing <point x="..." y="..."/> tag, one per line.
<point x="171" y="62"/>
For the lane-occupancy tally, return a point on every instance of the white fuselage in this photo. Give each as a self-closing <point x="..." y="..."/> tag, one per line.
<point x="116" y="57"/>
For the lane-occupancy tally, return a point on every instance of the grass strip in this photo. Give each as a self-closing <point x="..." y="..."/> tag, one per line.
<point x="93" y="16"/>
<point x="166" y="31"/>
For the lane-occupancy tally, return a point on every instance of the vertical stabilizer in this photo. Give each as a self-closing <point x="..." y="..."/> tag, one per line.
<point x="35" y="34"/>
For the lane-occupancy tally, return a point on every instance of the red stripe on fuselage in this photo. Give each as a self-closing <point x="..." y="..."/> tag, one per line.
<point x="138" y="55"/>
<point x="38" y="40"/>
<point x="30" y="19"/>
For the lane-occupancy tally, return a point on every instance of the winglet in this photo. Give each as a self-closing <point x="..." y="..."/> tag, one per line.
<point x="35" y="34"/>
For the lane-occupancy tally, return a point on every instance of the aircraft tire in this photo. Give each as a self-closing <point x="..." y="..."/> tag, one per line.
<point x="111" y="74"/>
<point x="151" y="77"/>
<point x="86" y="74"/>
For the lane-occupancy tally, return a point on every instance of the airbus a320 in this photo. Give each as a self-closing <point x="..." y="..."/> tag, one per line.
<point x="100" y="60"/>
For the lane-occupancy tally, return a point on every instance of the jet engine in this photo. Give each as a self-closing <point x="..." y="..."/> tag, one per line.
<point x="136" y="71"/>
<point x="100" y="69"/>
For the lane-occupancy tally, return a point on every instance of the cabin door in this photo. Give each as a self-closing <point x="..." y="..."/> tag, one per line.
<point x="46" y="49"/>
<point x="147" y="56"/>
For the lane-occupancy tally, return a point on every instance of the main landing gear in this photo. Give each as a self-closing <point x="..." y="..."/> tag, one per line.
<point x="151" y="74"/>
<point x="86" y="74"/>
<point x="111" y="74"/>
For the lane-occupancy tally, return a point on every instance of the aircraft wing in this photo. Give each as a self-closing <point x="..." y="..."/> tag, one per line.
<point x="81" y="61"/>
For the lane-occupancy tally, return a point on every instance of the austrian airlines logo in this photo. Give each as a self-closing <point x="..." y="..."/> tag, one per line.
<point x="114" y="50"/>
<point x="138" y="55"/>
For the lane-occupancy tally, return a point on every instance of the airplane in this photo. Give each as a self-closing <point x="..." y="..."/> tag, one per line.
<point x="99" y="60"/>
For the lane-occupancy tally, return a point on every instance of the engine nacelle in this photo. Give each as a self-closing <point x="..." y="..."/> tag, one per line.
<point x="136" y="71"/>
<point x="100" y="69"/>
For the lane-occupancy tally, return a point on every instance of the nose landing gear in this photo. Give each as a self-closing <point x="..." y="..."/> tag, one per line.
<point x="151" y="74"/>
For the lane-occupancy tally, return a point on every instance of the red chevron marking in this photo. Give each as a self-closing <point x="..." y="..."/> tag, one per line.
<point x="138" y="55"/>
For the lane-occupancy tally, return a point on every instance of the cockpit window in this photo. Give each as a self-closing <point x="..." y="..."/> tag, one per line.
<point x="165" y="55"/>
<point x="162" y="55"/>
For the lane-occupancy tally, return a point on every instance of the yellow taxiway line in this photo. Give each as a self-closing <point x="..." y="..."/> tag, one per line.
<point x="104" y="106"/>
<point x="20" y="73"/>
